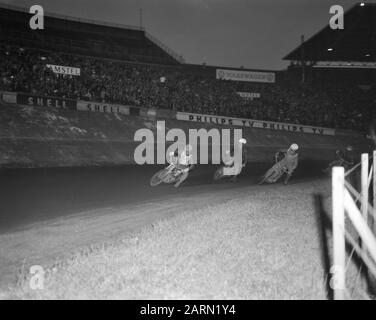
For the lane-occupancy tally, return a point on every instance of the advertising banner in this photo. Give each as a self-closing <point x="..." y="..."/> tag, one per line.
<point x="240" y="75"/>
<point x="102" y="107"/>
<point x="254" y="123"/>
<point x="249" y="95"/>
<point x="32" y="100"/>
<point x="70" y="71"/>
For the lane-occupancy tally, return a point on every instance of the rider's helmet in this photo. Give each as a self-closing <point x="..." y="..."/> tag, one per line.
<point x="349" y="148"/>
<point x="242" y="141"/>
<point x="293" y="148"/>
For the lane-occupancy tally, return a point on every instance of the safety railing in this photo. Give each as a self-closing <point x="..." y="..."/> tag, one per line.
<point x="348" y="202"/>
<point x="167" y="49"/>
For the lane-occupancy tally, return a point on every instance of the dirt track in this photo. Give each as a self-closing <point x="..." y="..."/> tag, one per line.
<point x="49" y="213"/>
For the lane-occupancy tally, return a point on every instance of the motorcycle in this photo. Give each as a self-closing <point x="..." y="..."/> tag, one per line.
<point x="274" y="173"/>
<point x="168" y="175"/>
<point x="220" y="172"/>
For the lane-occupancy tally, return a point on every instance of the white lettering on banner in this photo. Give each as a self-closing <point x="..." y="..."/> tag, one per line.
<point x="254" y="123"/>
<point x="249" y="95"/>
<point x="251" y="76"/>
<point x="64" y="70"/>
<point x="102" y="107"/>
<point x="46" y="102"/>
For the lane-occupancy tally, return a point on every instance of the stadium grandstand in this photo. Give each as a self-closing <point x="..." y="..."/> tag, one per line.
<point x="123" y="65"/>
<point x="82" y="36"/>
<point x="354" y="43"/>
<point x="128" y="173"/>
<point x="348" y="54"/>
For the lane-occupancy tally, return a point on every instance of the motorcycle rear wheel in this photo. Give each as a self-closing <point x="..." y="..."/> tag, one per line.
<point x="218" y="174"/>
<point x="157" y="178"/>
<point x="272" y="175"/>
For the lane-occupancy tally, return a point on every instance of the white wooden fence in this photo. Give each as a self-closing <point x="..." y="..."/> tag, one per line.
<point x="347" y="201"/>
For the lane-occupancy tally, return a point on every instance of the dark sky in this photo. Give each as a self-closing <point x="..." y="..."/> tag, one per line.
<point x="251" y="33"/>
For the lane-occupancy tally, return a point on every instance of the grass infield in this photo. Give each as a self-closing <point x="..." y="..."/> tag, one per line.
<point x="263" y="246"/>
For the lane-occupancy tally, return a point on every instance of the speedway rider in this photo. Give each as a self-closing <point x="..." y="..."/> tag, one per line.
<point x="183" y="162"/>
<point x="288" y="160"/>
<point x="231" y="167"/>
<point x="346" y="157"/>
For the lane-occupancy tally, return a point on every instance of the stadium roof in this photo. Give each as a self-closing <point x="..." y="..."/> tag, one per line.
<point x="356" y="42"/>
<point x="126" y="42"/>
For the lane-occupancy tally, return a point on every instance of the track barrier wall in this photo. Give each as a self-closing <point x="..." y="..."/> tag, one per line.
<point x="54" y="131"/>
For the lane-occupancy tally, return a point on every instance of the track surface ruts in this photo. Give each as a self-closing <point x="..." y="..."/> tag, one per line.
<point x="45" y="213"/>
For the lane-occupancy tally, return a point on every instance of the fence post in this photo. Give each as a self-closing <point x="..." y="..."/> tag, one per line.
<point x="338" y="268"/>
<point x="364" y="191"/>
<point x="360" y="225"/>
<point x="364" y="210"/>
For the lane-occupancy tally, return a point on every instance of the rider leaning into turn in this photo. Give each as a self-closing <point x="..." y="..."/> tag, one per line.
<point x="346" y="157"/>
<point x="183" y="162"/>
<point x="289" y="161"/>
<point x="231" y="167"/>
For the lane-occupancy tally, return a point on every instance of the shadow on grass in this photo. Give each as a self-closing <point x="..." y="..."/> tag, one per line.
<point x="324" y="224"/>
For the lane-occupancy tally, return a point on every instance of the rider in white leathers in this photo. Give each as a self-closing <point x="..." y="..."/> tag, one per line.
<point x="183" y="162"/>
<point x="290" y="160"/>
<point x="234" y="168"/>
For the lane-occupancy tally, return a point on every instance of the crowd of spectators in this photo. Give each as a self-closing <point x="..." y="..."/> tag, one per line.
<point x="323" y="104"/>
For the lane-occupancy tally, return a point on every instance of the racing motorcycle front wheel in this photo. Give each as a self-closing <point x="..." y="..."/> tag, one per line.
<point x="158" y="178"/>
<point x="218" y="174"/>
